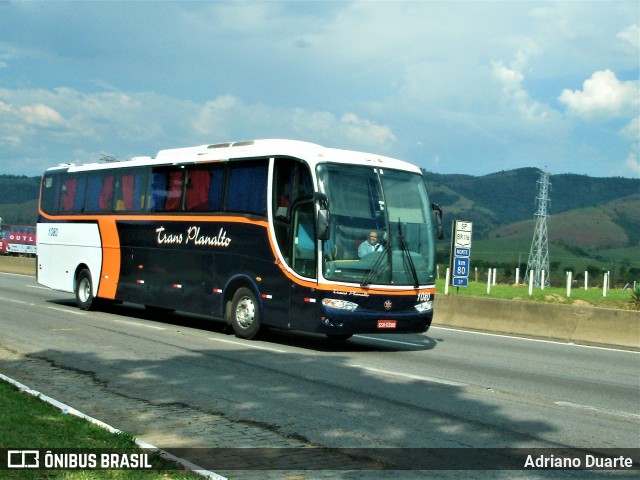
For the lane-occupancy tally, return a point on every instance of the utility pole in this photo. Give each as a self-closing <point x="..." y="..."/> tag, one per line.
<point x="539" y="253"/>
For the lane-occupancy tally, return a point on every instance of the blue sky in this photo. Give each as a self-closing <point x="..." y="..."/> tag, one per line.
<point x="455" y="87"/>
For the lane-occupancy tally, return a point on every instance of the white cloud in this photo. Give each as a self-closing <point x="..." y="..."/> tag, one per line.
<point x="602" y="96"/>
<point x="631" y="34"/>
<point x="41" y="115"/>
<point x="228" y="115"/>
<point x="514" y="94"/>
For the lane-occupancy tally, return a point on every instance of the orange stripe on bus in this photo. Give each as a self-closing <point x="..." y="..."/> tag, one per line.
<point x="110" y="274"/>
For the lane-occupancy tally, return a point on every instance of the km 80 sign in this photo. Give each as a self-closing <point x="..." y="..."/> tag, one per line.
<point x="460" y="252"/>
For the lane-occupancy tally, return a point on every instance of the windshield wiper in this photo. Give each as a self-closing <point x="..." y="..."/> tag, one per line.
<point x="375" y="268"/>
<point x="407" y="255"/>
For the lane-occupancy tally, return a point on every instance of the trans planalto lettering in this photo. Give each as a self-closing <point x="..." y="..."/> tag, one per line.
<point x="193" y="236"/>
<point x="590" y="461"/>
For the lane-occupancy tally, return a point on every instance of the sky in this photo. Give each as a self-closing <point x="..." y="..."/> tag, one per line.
<point x="471" y="87"/>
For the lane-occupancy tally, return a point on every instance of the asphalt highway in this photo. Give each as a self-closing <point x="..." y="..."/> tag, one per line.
<point x="443" y="389"/>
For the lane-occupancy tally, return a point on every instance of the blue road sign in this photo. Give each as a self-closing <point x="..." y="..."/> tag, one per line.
<point x="461" y="267"/>
<point x="460" y="281"/>
<point x="462" y="252"/>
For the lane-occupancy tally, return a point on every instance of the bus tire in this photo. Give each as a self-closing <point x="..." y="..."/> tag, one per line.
<point x="245" y="314"/>
<point x="84" y="291"/>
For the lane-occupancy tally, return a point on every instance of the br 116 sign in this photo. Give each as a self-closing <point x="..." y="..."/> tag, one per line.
<point x="460" y="252"/>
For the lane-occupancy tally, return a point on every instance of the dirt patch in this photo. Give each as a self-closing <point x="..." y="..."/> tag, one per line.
<point x="21" y="265"/>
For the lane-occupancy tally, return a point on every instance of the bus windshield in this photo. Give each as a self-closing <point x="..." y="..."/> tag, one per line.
<point x="380" y="231"/>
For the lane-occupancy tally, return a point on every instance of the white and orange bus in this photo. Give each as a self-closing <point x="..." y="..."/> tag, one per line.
<point x="257" y="234"/>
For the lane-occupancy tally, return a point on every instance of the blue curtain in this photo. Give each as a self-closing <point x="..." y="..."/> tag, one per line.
<point x="81" y="186"/>
<point x="93" y="198"/>
<point x="158" y="191"/>
<point x="246" y="189"/>
<point x="215" y="190"/>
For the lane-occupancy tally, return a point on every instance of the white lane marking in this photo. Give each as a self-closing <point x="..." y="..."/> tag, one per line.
<point x="37" y="286"/>
<point x="390" y="341"/>
<point x="605" y="411"/>
<point x="410" y="376"/>
<point x="16" y="274"/>
<point x="248" y="345"/>
<point x="136" y="324"/>
<point x="67" y="311"/>
<point x="555" y="342"/>
<point x="12" y="300"/>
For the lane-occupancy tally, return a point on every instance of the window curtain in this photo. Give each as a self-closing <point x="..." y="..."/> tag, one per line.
<point x="197" y="193"/>
<point x="246" y="190"/>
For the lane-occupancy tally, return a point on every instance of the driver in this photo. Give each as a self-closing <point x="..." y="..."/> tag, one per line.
<point x="370" y="245"/>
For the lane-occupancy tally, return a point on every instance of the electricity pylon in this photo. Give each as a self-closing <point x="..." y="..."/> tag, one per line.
<point x="539" y="253"/>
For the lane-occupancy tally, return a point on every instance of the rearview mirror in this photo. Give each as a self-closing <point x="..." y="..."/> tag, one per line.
<point x="322" y="224"/>
<point x="438" y="214"/>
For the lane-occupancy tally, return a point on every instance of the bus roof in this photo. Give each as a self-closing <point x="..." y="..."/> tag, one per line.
<point x="310" y="152"/>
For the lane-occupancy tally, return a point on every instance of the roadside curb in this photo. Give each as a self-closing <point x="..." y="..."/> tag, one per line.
<point x="565" y="323"/>
<point x="66" y="409"/>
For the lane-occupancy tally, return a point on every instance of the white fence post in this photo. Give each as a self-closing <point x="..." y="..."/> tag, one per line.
<point x="489" y="282"/>
<point x="517" y="275"/>
<point x="541" y="279"/>
<point x="446" y="281"/>
<point x="569" y="280"/>
<point x="586" y="280"/>
<point x="605" y="280"/>
<point x="530" y="282"/>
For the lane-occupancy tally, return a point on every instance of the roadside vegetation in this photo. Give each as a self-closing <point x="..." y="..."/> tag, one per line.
<point x="27" y="422"/>
<point x="627" y="299"/>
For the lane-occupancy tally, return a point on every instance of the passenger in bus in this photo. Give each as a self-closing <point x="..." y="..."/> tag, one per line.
<point x="370" y="245"/>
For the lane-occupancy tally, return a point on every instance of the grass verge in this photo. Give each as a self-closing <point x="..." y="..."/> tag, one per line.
<point x="27" y="422"/>
<point x="616" y="298"/>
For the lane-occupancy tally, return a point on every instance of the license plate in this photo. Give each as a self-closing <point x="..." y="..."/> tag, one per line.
<point x="386" y="324"/>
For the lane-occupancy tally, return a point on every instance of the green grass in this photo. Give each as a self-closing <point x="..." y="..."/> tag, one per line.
<point x="616" y="298"/>
<point x="27" y="422"/>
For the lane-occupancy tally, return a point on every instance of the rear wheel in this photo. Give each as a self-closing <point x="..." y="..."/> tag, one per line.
<point x="245" y="314"/>
<point x="84" y="291"/>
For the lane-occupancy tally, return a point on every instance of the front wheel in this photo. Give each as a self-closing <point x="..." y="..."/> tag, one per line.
<point x="84" y="291"/>
<point x="245" y="314"/>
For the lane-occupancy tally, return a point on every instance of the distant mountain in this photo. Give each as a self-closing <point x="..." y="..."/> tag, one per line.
<point x="503" y="204"/>
<point x="18" y="199"/>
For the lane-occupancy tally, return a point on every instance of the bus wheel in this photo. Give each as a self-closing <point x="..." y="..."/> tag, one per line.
<point x="84" y="291"/>
<point x="245" y="314"/>
<point x="339" y="337"/>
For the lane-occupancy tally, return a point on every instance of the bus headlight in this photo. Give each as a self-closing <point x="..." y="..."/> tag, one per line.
<point x="424" y="306"/>
<point x="339" y="304"/>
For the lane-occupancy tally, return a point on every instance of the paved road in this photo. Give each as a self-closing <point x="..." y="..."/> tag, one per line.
<point x="181" y="381"/>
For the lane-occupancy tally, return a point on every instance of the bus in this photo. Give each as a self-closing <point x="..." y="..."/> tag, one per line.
<point x="256" y="234"/>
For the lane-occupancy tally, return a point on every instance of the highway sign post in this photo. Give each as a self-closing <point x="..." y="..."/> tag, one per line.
<point x="461" y="232"/>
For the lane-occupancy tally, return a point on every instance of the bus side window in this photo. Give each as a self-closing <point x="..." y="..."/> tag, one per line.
<point x="129" y="192"/>
<point x="105" y="201"/>
<point x="216" y="187"/>
<point x="158" y="191"/>
<point x="197" y="190"/>
<point x="68" y="195"/>
<point x="49" y="195"/>
<point x="247" y="188"/>
<point x="174" y="192"/>
<point x="304" y="249"/>
<point x="81" y="188"/>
